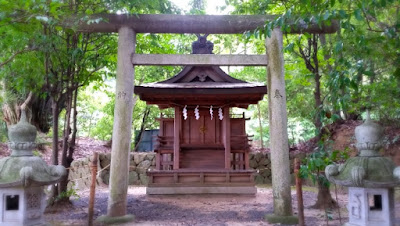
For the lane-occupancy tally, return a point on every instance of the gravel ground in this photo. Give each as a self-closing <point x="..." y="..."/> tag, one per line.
<point x="197" y="209"/>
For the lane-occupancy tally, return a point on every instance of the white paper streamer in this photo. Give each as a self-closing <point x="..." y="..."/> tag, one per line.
<point x="211" y="112"/>
<point x="184" y="112"/>
<point x="220" y="114"/>
<point x="196" y="113"/>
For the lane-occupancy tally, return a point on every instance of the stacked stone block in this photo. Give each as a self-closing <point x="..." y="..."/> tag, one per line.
<point x="262" y="163"/>
<point x="79" y="176"/>
<point x="140" y="162"/>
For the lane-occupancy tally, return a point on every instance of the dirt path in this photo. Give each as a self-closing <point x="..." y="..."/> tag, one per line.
<point x="195" y="209"/>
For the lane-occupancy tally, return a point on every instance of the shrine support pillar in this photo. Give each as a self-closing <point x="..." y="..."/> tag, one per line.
<point x="177" y="136"/>
<point x="121" y="139"/>
<point x="226" y="126"/>
<point x="279" y="146"/>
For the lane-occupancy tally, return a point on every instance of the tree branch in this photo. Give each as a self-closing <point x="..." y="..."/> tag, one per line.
<point x="16" y="54"/>
<point x="26" y="102"/>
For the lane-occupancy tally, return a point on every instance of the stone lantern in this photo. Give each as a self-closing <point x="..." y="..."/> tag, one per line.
<point x="22" y="177"/>
<point x="370" y="177"/>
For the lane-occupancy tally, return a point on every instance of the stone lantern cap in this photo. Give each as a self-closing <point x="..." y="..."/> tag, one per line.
<point x="22" y="168"/>
<point x="368" y="169"/>
<point x="28" y="171"/>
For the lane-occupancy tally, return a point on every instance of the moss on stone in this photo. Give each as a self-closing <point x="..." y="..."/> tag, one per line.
<point x="107" y="220"/>
<point x="275" y="219"/>
<point x="378" y="169"/>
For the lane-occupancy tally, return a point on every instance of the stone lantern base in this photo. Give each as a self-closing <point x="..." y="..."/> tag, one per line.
<point x="22" y="206"/>
<point x="370" y="206"/>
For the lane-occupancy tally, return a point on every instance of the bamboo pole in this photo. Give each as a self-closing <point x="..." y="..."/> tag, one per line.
<point x="93" y="167"/>
<point x="299" y="192"/>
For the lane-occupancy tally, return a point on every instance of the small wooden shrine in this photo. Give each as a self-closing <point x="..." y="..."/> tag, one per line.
<point x="202" y="148"/>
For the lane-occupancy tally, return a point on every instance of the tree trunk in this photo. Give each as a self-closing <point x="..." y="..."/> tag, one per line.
<point x="10" y="110"/>
<point x="318" y="103"/>
<point x="41" y="113"/>
<point x="72" y="144"/>
<point x="142" y="128"/>
<point x="10" y="113"/>
<point x="67" y="129"/>
<point x="54" y="157"/>
<point x="62" y="187"/>
<point x="310" y="57"/>
<point x="324" y="197"/>
<point x="317" y="79"/>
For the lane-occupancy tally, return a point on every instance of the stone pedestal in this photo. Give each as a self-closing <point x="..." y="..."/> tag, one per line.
<point x="22" y="206"/>
<point x="370" y="207"/>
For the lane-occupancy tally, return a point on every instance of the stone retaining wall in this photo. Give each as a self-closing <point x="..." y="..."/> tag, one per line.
<point x="262" y="163"/>
<point x="140" y="162"/>
<point x="79" y="176"/>
<point x="80" y="172"/>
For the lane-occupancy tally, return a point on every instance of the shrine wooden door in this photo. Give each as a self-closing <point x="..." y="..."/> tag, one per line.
<point x="204" y="131"/>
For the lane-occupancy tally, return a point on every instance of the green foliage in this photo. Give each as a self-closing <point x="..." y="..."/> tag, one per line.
<point x="3" y="132"/>
<point x="102" y="128"/>
<point x="66" y="195"/>
<point x="37" y="153"/>
<point x="300" y="130"/>
<point x="358" y="64"/>
<point x="93" y="105"/>
<point x="314" y="165"/>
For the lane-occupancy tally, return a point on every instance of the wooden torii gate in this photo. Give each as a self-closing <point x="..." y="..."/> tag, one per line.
<point x="128" y="26"/>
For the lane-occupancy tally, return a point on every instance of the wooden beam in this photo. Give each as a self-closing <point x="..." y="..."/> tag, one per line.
<point x="169" y="23"/>
<point x="199" y="60"/>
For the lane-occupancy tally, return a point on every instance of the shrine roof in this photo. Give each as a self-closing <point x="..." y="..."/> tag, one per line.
<point x="202" y="83"/>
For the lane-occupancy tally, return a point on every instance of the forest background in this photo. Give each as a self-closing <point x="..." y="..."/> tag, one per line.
<point x="69" y="76"/>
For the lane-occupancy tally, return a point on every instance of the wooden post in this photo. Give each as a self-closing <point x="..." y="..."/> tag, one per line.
<point x="121" y="145"/>
<point x="246" y="160"/>
<point x="158" y="160"/>
<point x="177" y="134"/>
<point x="299" y="192"/>
<point x="93" y="166"/>
<point x="279" y="144"/>
<point x="227" y="137"/>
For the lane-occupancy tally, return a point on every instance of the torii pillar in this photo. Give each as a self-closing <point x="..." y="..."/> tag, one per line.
<point x="121" y="139"/>
<point x="279" y="146"/>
